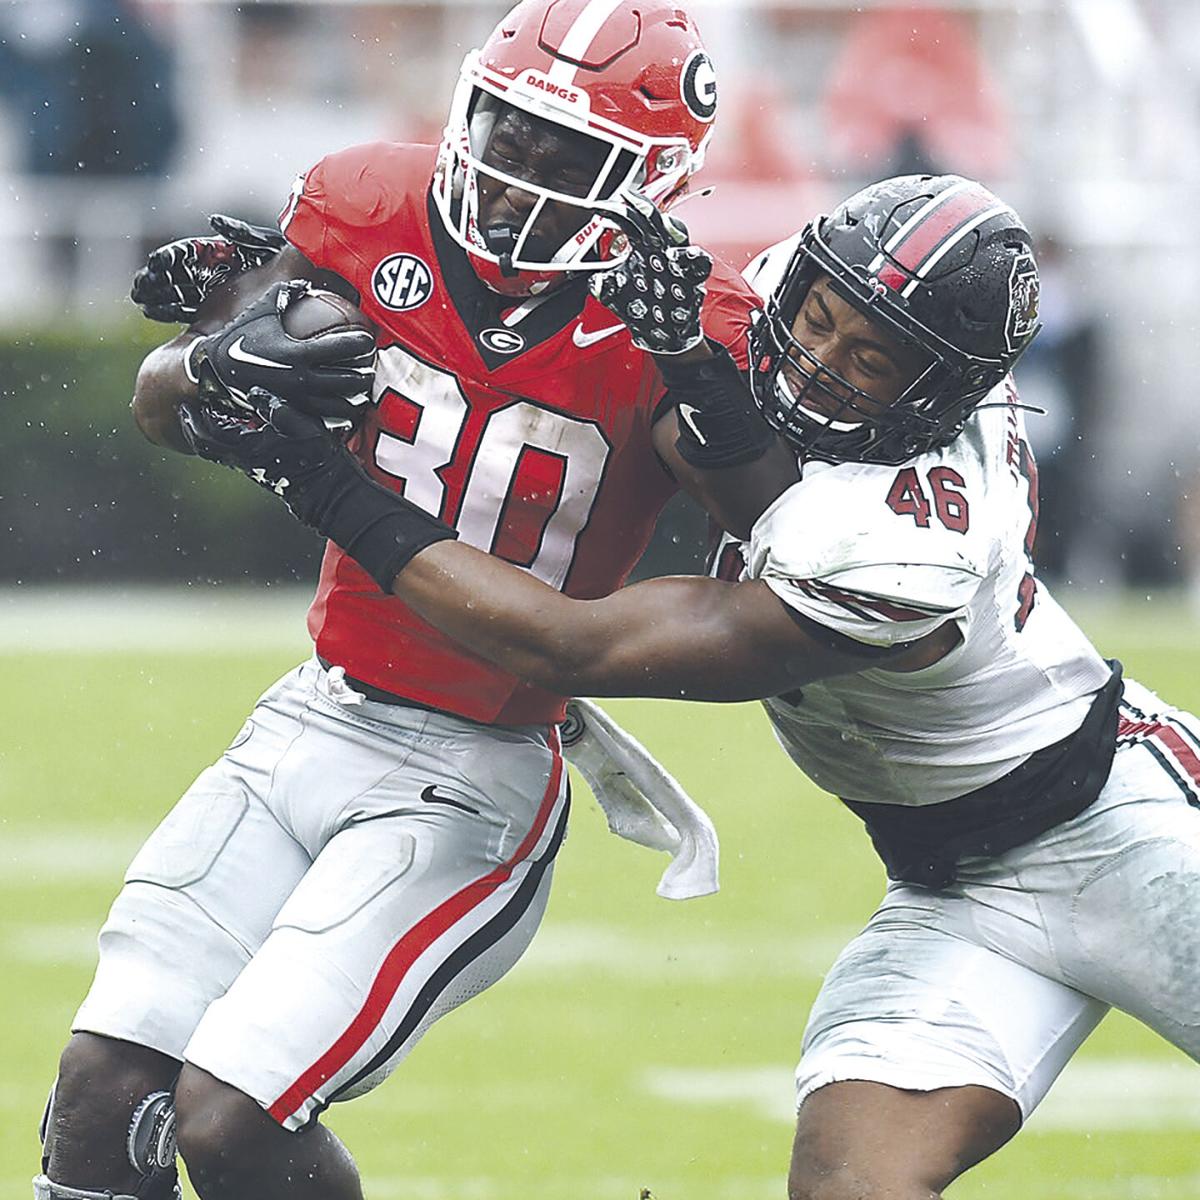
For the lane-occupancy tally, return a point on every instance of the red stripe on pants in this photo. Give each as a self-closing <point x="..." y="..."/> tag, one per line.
<point x="1169" y="738"/>
<point x="406" y="951"/>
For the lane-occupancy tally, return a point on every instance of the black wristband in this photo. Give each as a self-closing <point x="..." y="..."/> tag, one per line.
<point x="378" y="528"/>
<point x="719" y="425"/>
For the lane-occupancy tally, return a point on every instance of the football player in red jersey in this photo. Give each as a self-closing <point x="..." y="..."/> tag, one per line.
<point x="377" y="843"/>
<point x="1036" y="811"/>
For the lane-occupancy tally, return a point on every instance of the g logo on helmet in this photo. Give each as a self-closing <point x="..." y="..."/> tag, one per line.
<point x="698" y="86"/>
<point x="1024" y="291"/>
<point x="402" y="282"/>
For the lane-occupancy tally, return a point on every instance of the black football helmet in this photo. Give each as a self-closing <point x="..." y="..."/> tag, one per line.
<point x="941" y="265"/>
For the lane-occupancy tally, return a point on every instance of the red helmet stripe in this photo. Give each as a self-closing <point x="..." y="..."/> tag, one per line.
<point x="924" y="238"/>
<point x="891" y="277"/>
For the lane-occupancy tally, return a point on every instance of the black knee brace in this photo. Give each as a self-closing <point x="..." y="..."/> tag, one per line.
<point x="149" y="1146"/>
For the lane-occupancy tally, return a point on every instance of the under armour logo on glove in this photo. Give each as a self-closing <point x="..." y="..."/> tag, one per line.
<point x="291" y="454"/>
<point x="659" y="289"/>
<point x="278" y="486"/>
<point x="277" y="446"/>
<point x="181" y="275"/>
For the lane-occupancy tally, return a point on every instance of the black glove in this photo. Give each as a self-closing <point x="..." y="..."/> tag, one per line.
<point x="181" y="275"/>
<point x="329" y="375"/>
<point x="658" y="290"/>
<point x="292" y="455"/>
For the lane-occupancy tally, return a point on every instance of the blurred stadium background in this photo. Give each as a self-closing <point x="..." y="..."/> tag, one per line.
<point x="145" y="600"/>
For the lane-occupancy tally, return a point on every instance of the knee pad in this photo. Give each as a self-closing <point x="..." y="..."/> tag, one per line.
<point x="149" y="1147"/>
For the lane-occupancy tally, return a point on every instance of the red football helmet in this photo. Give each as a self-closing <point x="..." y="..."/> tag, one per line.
<point x="631" y="74"/>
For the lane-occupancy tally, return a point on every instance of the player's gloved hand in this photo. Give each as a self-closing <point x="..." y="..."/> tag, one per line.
<point x="719" y="424"/>
<point x="181" y="275"/>
<point x="291" y="454"/>
<point x="328" y="375"/>
<point x="659" y="289"/>
<point x="273" y="443"/>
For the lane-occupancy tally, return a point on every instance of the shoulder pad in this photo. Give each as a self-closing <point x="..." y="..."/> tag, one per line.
<point x="833" y="550"/>
<point x="344" y="211"/>
<point x="364" y="186"/>
<point x="766" y="271"/>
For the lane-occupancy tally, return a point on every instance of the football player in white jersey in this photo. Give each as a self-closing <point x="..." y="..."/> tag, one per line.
<point x="1037" y="815"/>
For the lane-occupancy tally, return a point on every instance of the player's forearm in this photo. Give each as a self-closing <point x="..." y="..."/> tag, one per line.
<point x="717" y="446"/>
<point x="502" y="614"/>
<point x="735" y="497"/>
<point x="161" y="386"/>
<point x="667" y="638"/>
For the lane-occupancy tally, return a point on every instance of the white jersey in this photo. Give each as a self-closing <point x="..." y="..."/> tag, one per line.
<point x="884" y="555"/>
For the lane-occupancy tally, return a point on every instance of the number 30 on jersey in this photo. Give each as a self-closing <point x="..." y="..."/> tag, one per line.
<point x="525" y="486"/>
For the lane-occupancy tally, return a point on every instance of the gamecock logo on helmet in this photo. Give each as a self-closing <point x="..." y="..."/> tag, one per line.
<point x="1024" y="290"/>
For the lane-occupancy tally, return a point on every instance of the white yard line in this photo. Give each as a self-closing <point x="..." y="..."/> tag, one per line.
<point x="153" y="619"/>
<point x="52" y="944"/>
<point x="575" y="948"/>
<point x="560" y="952"/>
<point x="48" y="855"/>
<point x="1093" y="1095"/>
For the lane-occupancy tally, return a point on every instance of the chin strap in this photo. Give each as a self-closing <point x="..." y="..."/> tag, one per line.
<point x="502" y="241"/>
<point x="1030" y="408"/>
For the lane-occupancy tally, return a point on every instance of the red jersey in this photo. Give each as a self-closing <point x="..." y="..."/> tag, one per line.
<point x="525" y="426"/>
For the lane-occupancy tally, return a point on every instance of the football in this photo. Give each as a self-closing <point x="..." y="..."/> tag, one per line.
<point x="319" y="311"/>
<point x="316" y="312"/>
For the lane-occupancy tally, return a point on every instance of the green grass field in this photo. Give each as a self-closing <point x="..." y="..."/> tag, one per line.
<point x="641" y="1043"/>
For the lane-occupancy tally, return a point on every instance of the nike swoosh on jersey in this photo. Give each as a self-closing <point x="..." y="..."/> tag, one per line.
<point x="247" y="356"/>
<point x="583" y="340"/>
<point x="685" y="415"/>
